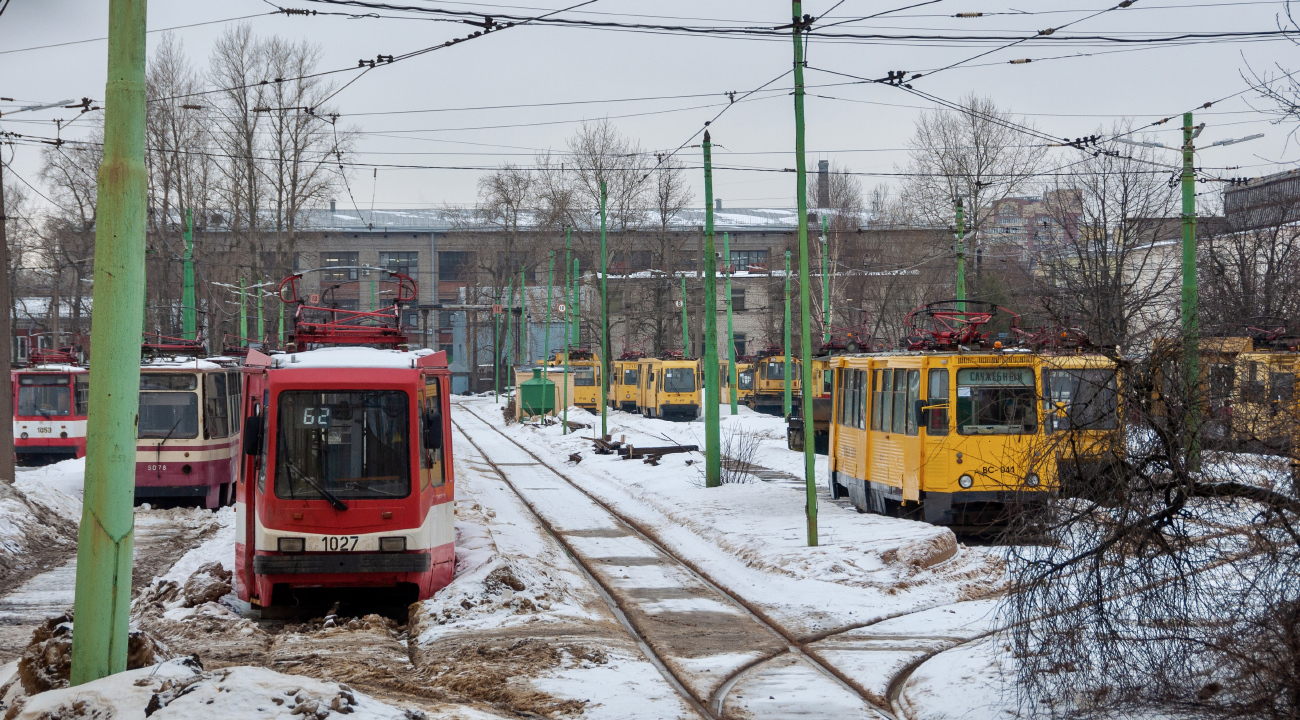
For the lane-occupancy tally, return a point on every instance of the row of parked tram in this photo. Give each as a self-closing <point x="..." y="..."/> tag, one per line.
<point x="335" y="451"/>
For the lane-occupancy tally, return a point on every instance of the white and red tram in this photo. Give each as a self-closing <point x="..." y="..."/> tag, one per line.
<point x="187" y="446"/>
<point x="49" y="413"/>
<point x="346" y="480"/>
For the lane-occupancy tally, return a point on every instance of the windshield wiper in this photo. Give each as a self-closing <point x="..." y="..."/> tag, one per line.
<point x="357" y="486"/>
<point x="331" y="497"/>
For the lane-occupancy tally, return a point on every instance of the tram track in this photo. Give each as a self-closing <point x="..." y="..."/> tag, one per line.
<point x="776" y="651"/>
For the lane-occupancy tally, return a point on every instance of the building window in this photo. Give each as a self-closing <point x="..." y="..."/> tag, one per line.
<point x="406" y="263"/>
<point x="347" y="261"/>
<point x="749" y="261"/>
<point x="447" y="348"/>
<point x="455" y="266"/>
<point x="739" y="339"/>
<point x="737" y="298"/>
<point x="346" y="304"/>
<point x="411" y="318"/>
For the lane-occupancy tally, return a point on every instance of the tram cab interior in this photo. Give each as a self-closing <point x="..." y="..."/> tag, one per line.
<point x="50" y="403"/>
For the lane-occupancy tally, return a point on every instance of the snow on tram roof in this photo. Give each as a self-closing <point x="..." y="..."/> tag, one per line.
<point x="51" y="368"/>
<point x="180" y="362"/>
<point x="349" y="357"/>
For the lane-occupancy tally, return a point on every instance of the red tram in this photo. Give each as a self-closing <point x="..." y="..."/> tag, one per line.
<point x="187" y="445"/>
<point x="49" y="413"/>
<point x="346" y="480"/>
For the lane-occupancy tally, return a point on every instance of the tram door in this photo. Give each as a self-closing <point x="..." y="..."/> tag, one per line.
<point x="934" y="418"/>
<point x="907" y="387"/>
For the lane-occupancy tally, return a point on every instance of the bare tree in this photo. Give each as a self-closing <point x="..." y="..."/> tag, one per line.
<point x="842" y="218"/>
<point x="600" y="153"/>
<point x="1104" y="264"/>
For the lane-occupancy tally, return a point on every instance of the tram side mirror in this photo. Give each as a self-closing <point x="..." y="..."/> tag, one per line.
<point x="253" y="435"/>
<point x="432" y="430"/>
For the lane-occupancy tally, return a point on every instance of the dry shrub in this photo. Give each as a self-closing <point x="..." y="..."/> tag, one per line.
<point x="739" y="452"/>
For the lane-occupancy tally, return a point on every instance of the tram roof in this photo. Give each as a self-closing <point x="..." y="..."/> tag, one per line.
<point x="349" y="357"/>
<point x="52" y="368"/>
<point x="179" y="363"/>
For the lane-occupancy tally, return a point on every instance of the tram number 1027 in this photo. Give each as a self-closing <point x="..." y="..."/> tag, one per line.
<point x="340" y="543"/>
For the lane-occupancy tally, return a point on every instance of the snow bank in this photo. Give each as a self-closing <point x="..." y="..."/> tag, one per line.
<point x="39" y="514"/>
<point x="182" y="689"/>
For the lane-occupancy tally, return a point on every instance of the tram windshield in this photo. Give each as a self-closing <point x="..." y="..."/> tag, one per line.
<point x="996" y="401"/>
<point x="584" y="376"/>
<point x="679" y="380"/>
<point x="745" y="380"/>
<point x="349" y="445"/>
<point x="169" y="415"/>
<point x="631" y="376"/>
<point x="44" y="395"/>
<point x="1079" y="399"/>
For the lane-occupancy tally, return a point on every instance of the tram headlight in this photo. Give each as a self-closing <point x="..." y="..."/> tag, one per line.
<point x="24" y="436"/>
<point x="392" y="544"/>
<point x="965" y="481"/>
<point x="1032" y="480"/>
<point x="64" y="435"/>
<point x="291" y="544"/>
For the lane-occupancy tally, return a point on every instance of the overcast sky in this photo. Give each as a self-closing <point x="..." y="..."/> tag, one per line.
<point x="862" y="127"/>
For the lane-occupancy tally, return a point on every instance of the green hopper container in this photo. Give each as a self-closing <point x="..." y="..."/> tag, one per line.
<point x="536" y="396"/>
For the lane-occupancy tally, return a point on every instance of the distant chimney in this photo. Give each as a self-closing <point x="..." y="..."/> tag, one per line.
<point x="823" y="183"/>
<point x="331" y="204"/>
<point x="717" y="204"/>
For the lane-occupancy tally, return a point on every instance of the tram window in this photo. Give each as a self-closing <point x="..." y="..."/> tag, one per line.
<point x="1081" y="399"/>
<point x="937" y="395"/>
<point x="1254" y="386"/>
<point x="745" y="380"/>
<point x="1281" y="387"/>
<point x="169" y="415"/>
<point x="630" y="376"/>
<point x="900" y="401"/>
<point x="234" y="397"/>
<point x="353" y="444"/>
<point x="1222" y="380"/>
<point x="38" y="395"/>
<point x="431" y="467"/>
<point x="996" y="401"/>
<point x="885" y="394"/>
<point x="168" y="381"/>
<point x="861" y="396"/>
<point x="216" y="406"/>
<point x="81" y="385"/>
<point x="584" y="376"/>
<point x="875" y="399"/>
<point x="913" y="394"/>
<point x="679" y="380"/>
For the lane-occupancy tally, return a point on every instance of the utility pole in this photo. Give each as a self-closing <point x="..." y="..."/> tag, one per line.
<point x="280" y="337"/>
<point x="523" y="317"/>
<point x="243" y="315"/>
<point x="510" y="316"/>
<point x="731" y="330"/>
<point x="712" y="435"/>
<point x="568" y="313"/>
<point x="6" y="343"/>
<point x="686" y="336"/>
<point x="805" y="324"/>
<point x="1191" y="321"/>
<point x="961" y="257"/>
<point x="261" y="325"/>
<point x="577" y="309"/>
<point x="604" y="321"/>
<point x="550" y="280"/>
<point x="107" y="533"/>
<point x="789" y="386"/>
<point x="826" y="292"/>
<point x="189" y="329"/>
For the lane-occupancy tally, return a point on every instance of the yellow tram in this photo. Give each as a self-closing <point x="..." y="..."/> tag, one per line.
<point x="768" y="394"/>
<point x="625" y="382"/>
<point x="957" y="433"/>
<point x="670" y="388"/>
<point x="585" y="366"/>
<point x="823" y="377"/>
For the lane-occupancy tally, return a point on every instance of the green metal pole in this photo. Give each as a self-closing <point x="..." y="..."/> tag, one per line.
<point x="826" y="291"/>
<point x="731" y="330"/>
<point x="712" y="435"/>
<point x="961" y="257"/>
<point x="106" y="537"/>
<point x="686" y="337"/>
<point x="510" y="315"/>
<point x="550" y="280"/>
<point x="568" y="283"/>
<point x="243" y="315"/>
<point x="280" y="337"/>
<point x="372" y="295"/>
<point x="1191" y="321"/>
<point x="189" y="327"/>
<point x="577" y="309"/>
<point x="805" y="325"/>
<point x="523" y="317"/>
<point x="604" y="321"/>
<point x="789" y="387"/>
